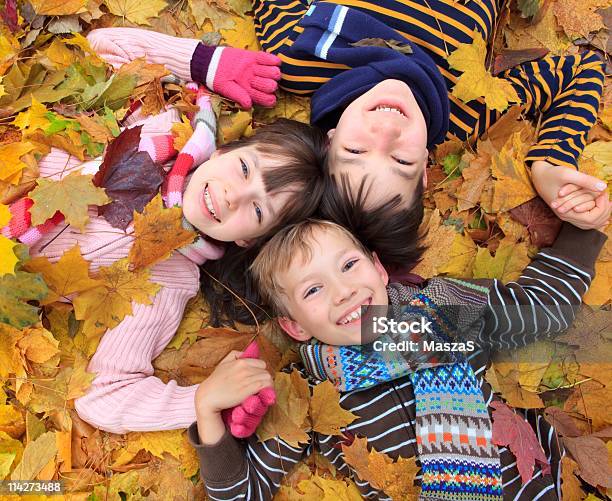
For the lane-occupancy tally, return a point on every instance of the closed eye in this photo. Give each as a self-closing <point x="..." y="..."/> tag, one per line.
<point x="402" y="162"/>
<point x="354" y="151"/>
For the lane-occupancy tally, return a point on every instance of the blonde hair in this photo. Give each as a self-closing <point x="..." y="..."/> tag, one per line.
<point x="280" y="252"/>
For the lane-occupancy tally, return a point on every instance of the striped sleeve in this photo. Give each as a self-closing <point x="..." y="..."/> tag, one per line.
<point x="244" y="469"/>
<point x="566" y="90"/>
<point x="275" y="19"/>
<point x="546" y="297"/>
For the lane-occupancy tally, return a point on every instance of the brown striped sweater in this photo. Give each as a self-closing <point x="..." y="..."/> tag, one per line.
<point x="548" y="292"/>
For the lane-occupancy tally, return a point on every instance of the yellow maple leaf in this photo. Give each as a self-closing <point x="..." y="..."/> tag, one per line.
<point x="326" y="415"/>
<point x="35" y="456"/>
<point x="5" y="215"/>
<point x="513" y="183"/>
<point x="60" y="55"/>
<point x="437" y="242"/>
<point x="11" y="421"/>
<point x="136" y="11"/>
<point x="157" y="232"/>
<point x="395" y="479"/>
<point x="242" y="35"/>
<point x="234" y="126"/>
<point x="68" y="276"/>
<point x="540" y="32"/>
<point x="32" y="119"/>
<point x="10" y="160"/>
<point x="505" y="381"/>
<point x="287" y="418"/>
<point x="209" y="10"/>
<point x="72" y="196"/>
<point x="476" y="81"/>
<point x="510" y="260"/>
<point x="8" y="259"/>
<point x="460" y="257"/>
<point x="58" y="7"/>
<point x="2" y="90"/>
<point x="9" y="48"/>
<point x="10" y="357"/>
<point x="38" y="345"/>
<point x="106" y="306"/>
<point x="181" y="132"/>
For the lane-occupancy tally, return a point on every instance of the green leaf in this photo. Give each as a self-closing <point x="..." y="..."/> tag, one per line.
<point x="15" y="290"/>
<point x="452" y="165"/>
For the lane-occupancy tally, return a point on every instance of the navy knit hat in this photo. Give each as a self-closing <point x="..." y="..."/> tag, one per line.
<point x="329" y="29"/>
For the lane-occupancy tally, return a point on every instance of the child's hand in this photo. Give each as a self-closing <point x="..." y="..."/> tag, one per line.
<point x="573" y="196"/>
<point x="247" y="77"/>
<point x="232" y="381"/>
<point x="243" y="419"/>
<point x="579" y="214"/>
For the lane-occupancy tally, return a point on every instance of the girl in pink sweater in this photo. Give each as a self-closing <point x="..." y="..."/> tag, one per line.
<point x="237" y="194"/>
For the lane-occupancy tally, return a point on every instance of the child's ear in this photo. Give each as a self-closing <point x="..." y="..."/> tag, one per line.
<point x="384" y="276"/>
<point x="293" y="329"/>
<point x="330" y="133"/>
<point x="243" y="243"/>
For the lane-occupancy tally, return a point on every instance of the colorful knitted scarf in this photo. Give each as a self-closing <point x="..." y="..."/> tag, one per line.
<point x="198" y="149"/>
<point x="453" y="428"/>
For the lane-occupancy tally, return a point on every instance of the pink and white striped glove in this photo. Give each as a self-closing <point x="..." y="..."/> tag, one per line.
<point x="244" y="419"/>
<point x="244" y="76"/>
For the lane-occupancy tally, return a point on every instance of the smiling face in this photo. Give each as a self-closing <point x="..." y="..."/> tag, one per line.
<point x="382" y="134"/>
<point x="324" y="294"/>
<point x="226" y="197"/>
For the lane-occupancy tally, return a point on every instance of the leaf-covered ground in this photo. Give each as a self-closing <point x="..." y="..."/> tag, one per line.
<point x="484" y="222"/>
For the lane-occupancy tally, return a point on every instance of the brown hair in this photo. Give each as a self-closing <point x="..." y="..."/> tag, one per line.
<point x="301" y="149"/>
<point x="280" y="252"/>
<point x="388" y="229"/>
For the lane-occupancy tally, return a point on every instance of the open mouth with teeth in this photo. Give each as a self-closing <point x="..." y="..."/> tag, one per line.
<point x="355" y="315"/>
<point x="208" y="204"/>
<point x="390" y="109"/>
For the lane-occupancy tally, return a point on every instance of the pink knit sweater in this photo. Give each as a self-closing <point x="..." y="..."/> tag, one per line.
<point x="125" y="396"/>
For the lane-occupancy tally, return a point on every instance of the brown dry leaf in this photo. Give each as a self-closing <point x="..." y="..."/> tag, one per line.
<point x="475" y="176"/>
<point x="157" y="232"/>
<point x="589" y="399"/>
<point x="326" y="414"/>
<point x="68" y="276"/>
<point x="288" y="418"/>
<point x="578" y="17"/>
<point x="438" y="240"/>
<point x="395" y="479"/>
<point x="522" y="34"/>
<point x="106" y="306"/>
<point x="38" y="345"/>
<point x="71" y="195"/>
<point x="591" y="455"/>
<point x="571" y="486"/>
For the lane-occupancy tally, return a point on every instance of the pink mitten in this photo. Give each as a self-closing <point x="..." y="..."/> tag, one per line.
<point x="243" y="419"/>
<point x="247" y="77"/>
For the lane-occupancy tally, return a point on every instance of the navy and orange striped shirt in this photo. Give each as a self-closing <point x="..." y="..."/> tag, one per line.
<point x="565" y="90"/>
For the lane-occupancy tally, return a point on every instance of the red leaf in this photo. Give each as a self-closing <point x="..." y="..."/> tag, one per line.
<point x="510" y="58"/>
<point x="512" y="430"/>
<point x="591" y="455"/>
<point x="9" y="15"/>
<point x="130" y="178"/>
<point x="541" y="222"/>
